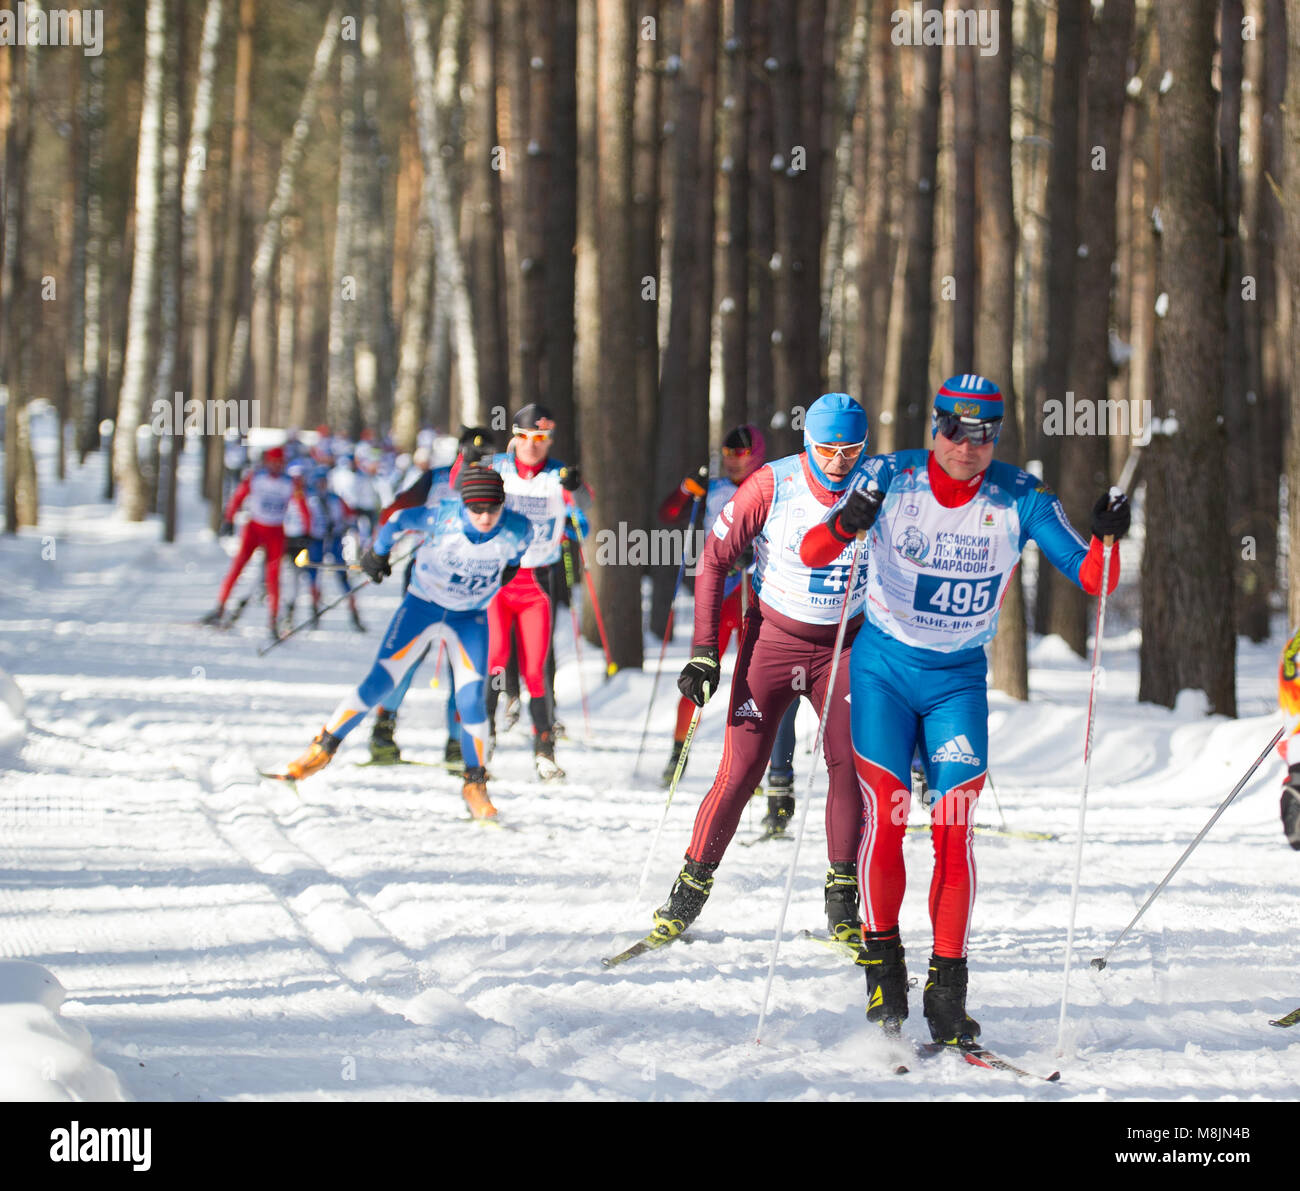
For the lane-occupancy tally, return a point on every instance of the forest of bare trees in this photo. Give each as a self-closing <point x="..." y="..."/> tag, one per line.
<point x="664" y="218"/>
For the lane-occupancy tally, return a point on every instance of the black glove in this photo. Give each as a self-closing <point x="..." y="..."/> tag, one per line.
<point x="227" y="528"/>
<point x="1111" y="519"/>
<point x="571" y="477"/>
<point x="858" y="513"/>
<point x="376" y="566"/>
<point x="1291" y="812"/>
<point x="699" y="677"/>
<point x="475" y="444"/>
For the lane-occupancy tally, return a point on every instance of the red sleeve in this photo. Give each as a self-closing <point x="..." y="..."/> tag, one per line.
<point x="455" y="470"/>
<point x="673" y="506"/>
<point x="821" y="546"/>
<point x="238" y="497"/>
<point x="737" y="525"/>
<point x="1090" y="568"/>
<point x="301" y="501"/>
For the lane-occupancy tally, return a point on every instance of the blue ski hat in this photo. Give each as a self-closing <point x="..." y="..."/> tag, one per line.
<point x="835" y="419"/>
<point x="969" y="396"/>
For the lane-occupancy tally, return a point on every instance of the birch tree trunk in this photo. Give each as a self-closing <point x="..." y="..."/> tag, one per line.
<point x="91" y="366"/>
<point x="441" y="212"/>
<point x="133" y="496"/>
<point x="342" y="410"/>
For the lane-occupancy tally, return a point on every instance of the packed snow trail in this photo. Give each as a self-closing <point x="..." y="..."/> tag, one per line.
<point x="223" y="939"/>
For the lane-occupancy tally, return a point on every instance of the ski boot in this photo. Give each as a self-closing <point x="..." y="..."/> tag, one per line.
<point x="475" y="794"/>
<point x="320" y="754"/>
<point x="689" y="893"/>
<point x="883" y="958"/>
<point x="513" y="710"/>
<point x="356" y="616"/>
<point x="842" y="901"/>
<point x="1291" y="810"/>
<point x="383" y="748"/>
<point x="453" y="756"/>
<point x="780" y="804"/>
<point x="558" y="730"/>
<point x="670" y="770"/>
<point x="945" y="1002"/>
<point x="315" y="614"/>
<point x="544" y="757"/>
<point x="216" y="618"/>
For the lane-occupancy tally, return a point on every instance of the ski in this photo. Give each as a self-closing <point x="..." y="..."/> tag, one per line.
<point x="1289" y="1020"/>
<point x="995" y="832"/>
<point x="767" y="835"/>
<point x="980" y="1056"/>
<point x="848" y="947"/>
<point x="286" y="778"/>
<point x="652" y="942"/>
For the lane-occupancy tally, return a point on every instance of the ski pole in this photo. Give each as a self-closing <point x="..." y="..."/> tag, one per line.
<point x="1100" y="962"/>
<point x="668" y="632"/>
<point x="261" y="653"/>
<point x="610" y="668"/>
<point x="988" y="777"/>
<point x="858" y="550"/>
<point x="1107" y="542"/>
<point x="301" y="559"/>
<point x="577" y="639"/>
<point x="672" y="789"/>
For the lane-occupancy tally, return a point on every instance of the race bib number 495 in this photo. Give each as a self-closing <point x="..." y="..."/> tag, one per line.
<point x="955" y="597"/>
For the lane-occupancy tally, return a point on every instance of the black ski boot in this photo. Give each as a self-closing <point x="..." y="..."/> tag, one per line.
<point x="383" y="748"/>
<point x="689" y="893"/>
<point x="216" y="618"/>
<point x="780" y="803"/>
<point x="945" y="1002"/>
<point x="1291" y="808"/>
<point x="883" y="956"/>
<point x="670" y="770"/>
<point x="842" y="901"/>
<point x="452" y="754"/>
<point x="544" y="757"/>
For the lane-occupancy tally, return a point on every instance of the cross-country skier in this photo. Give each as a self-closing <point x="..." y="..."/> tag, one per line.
<point x="1288" y="692"/>
<point x="948" y="527"/>
<point x="267" y="492"/>
<point x="541" y="489"/>
<point x="473" y="545"/>
<point x="432" y="487"/>
<point x="785" y="650"/>
<point x="744" y="450"/>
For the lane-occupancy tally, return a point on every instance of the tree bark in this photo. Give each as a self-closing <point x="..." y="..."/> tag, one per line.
<point x="1187" y="563"/>
<point x="143" y="307"/>
<point x="734" y="307"/>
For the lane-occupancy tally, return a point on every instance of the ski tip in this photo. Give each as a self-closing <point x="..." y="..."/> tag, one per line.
<point x="1055" y="1077"/>
<point x="901" y="1069"/>
<point x="1099" y="963"/>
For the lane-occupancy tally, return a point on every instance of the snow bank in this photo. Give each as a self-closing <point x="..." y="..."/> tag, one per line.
<point x="43" y="1056"/>
<point x="13" y="708"/>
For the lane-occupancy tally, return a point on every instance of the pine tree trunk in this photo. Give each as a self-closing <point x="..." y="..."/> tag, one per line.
<point x="1291" y="157"/>
<point x="966" y="99"/>
<point x="1187" y="563"/>
<point x="143" y="307"/>
<point x="1084" y="455"/>
<point x="617" y="475"/>
<point x="995" y="332"/>
<point x="588" y="314"/>
<point x="734" y="306"/>
<point x="1073" y="25"/>
<point x="562" y="227"/>
<point x="758" y="355"/>
<point x="228" y="301"/>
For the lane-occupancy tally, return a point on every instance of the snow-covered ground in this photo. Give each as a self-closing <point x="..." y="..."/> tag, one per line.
<point x="221" y="938"/>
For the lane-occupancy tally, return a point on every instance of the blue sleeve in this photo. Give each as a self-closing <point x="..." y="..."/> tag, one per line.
<point x="1043" y="519"/>
<point x="413" y="518"/>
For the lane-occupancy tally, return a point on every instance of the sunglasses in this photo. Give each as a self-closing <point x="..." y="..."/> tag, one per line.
<point x="737" y="452"/>
<point x="956" y="428"/>
<point x="483" y="506"/>
<point x="533" y="436"/>
<point x="827" y="452"/>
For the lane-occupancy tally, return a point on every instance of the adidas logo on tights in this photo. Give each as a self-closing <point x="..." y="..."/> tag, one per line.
<point x="958" y="750"/>
<point x="749" y="708"/>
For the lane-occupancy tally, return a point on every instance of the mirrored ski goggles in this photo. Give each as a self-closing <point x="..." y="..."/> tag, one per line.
<point x="956" y="428"/>
<point x="533" y="436"/>
<point x="829" y="452"/>
<point x="483" y="506"/>
<point x="737" y="452"/>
